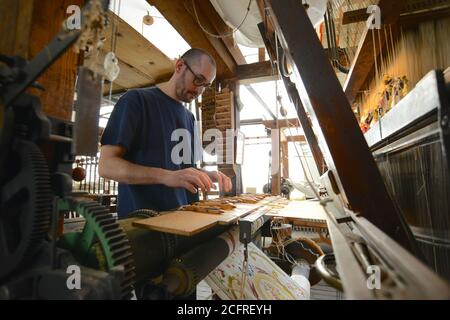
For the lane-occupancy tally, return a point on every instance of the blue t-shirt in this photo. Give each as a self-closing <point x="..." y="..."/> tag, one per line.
<point x="143" y="121"/>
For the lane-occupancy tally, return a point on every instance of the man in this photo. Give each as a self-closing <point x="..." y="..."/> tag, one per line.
<point x="136" y="144"/>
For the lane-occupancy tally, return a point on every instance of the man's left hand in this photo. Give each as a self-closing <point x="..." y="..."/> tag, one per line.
<point x="223" y="181"/>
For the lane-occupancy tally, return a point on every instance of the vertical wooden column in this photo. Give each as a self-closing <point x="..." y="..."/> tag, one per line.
<point x="15" y="25"/>
<point x="275" y="170"/>
<point x="261" y="54"/>
<point x="285" y="159"/>
<point x="224" y="119"/>
<point x="59" y="79"/>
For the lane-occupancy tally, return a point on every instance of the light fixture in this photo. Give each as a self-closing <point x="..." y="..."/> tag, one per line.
<point x="148" y="19"/>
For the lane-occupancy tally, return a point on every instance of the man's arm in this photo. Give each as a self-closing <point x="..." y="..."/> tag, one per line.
<point x="113" y="166"/>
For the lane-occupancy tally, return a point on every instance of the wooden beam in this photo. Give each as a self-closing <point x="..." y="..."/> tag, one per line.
<point x="181" y="16"/>
<point x="282" y="123"/>
<point x="355" y="16"/>
<point x="220" y="27"/>
<point x="261" y="54"/>
<point x="252" y="71"/>
<point x="137" y="54"/>
<point x="15" y="26"/>
<point x="407" y="7"/>
<point x="412" y="19"/>
<point x="364" y="61"/>
<point x="299" y="138"/>
<point x="59" y="78"/>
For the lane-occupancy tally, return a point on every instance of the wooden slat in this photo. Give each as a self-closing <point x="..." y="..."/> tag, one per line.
<point x="283" y="123"/>
<point x="185" y="223"/>
<point x="188" y="223"/>
<point x="355" y="16"/>
<point x="407" y="7"/>
<point x="305" y="210"/>
<point x="253" y="71"/>
<point x="299" y="138"/>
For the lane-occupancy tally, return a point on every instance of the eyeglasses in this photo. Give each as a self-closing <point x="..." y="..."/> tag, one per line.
<point x="199" y="80"/>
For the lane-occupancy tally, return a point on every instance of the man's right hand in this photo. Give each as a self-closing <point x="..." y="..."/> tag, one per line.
<point x="190" y="179"/>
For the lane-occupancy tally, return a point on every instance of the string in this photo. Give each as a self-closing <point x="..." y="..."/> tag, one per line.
<point x="221" y="35"/>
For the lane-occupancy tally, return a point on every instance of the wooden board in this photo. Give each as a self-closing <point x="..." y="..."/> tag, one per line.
<point x="233" y="215"/>
<point x="185" y="223"/>
<point x="307" y="210"/>
<point x="188" y="223"/>
<point x="141" y="63"/>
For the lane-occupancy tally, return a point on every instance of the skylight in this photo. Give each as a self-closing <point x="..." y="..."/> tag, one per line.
<point x="160" y="33"/>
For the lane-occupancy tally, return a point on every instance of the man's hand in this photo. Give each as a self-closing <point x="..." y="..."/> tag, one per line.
<point x="189" y="178"/>
<point x="224" y="182"/>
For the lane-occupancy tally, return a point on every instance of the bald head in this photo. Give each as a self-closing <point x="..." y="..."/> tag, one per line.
<point x="194" y="56"/>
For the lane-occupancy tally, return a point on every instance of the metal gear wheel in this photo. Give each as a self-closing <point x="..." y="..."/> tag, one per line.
<point x="25" y="205"/>
<point x="102" y="243"/>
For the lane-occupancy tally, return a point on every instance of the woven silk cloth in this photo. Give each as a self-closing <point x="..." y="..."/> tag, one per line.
<point x="264" y="280"/>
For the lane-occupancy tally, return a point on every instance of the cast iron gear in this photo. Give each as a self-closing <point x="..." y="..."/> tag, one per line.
<point x="25" y="205"/>
<point x="102" y="243"/>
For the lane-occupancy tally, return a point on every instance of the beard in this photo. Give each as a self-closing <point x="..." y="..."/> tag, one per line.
<point x="182" y="93"/>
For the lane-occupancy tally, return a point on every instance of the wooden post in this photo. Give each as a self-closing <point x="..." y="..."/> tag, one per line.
<point x="261" y="54"/>
<point x="275" y="170"/>
<point x="285" y="157"/>
<point x="15" y="25"/>
<point x="59" y="79"/>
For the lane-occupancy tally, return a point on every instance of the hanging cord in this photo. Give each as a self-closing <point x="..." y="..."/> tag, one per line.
<point x="382" y="66"/>
<point x="115" y="30"/>
<point x="377" y="79"/>
<point x="392" y="43"/>
<point x="390" y="57"/>
<point x="115" y="26"/>
<point x="333" y="50"/>
<point x="220" y="35"/>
